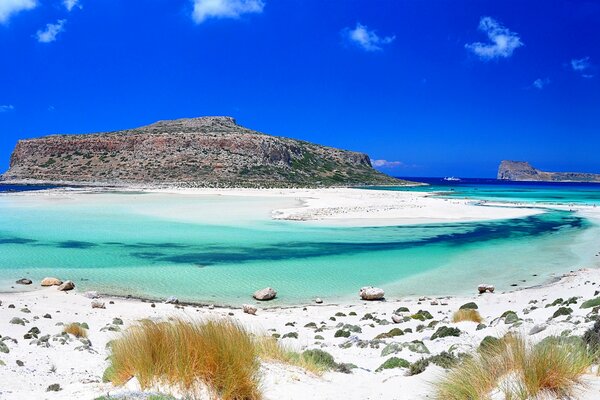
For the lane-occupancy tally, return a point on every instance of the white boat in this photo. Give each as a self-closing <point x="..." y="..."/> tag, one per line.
<point x="452" y="179"/>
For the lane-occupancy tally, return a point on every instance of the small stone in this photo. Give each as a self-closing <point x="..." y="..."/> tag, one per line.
<point x="538" y="328"/>
<point x="66" y="286"/>
<point x="51" y="282"/>
<point x="4" y="347"/>
<point x="249" y="309"/>
<point x="55" y="387"/>
<point x="172" y="300"/>
<point x="17" y="321"/>
<point x="265" y="294"/>
<point x="318" y="300"/>
<point x="47" y="316"/>
<point x="397" y="319"/>
<point x="486" y="288"/>
<point x="24" y="281"/>
<point x="98" y="304"/>
<point x="371" y="293"/>
<point x="20" y="363"/>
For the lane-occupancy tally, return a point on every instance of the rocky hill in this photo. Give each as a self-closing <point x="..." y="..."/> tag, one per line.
<point x="523" y="171"/>
<point x="196" y="152"/>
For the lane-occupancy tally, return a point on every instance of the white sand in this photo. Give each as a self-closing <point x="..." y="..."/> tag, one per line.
<point x="359" y="207"/>
<point x="79" y="371"/>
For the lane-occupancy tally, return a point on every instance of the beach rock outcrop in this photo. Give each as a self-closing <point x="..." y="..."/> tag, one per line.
<point x="24" y="281"/>
<point x="66" y="286"/>
<point x="98" y="304"/>
<point x="371" y="293"/>
<point x="49" y="281"/>
<point x="195" y="152"/>
<point x="249" y="309"/>
<point x="265" y="294"/>
<point x="486" y="288"/>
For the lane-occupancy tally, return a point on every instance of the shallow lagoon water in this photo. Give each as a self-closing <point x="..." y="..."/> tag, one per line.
<point x="220" y="249"/>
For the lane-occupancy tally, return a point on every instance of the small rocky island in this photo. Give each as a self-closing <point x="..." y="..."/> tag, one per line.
<point x="195" y="152"/>
<point x="523" y="171"/>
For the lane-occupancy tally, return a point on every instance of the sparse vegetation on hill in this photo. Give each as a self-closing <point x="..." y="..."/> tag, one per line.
<point x="196" y="152"/>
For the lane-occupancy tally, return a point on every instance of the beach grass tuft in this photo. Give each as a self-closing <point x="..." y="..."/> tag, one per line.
<point x="519" y="370"/>
<point x="467" y="314"/>
<point x="75" y="329"/>
<point x="215" y="356"/>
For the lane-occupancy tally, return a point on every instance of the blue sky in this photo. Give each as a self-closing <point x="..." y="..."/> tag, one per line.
<point x="427" y="88"/>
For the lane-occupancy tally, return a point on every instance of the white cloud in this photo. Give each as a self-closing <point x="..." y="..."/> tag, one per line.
<point x="10" y="7"/>
<point x="366" y="39"/>
<point x="540" y="83"/>
<point x="580" y="64"/>
<point x="52" y="30"/>
<point x="71" y="4"/>
<point x="6" y="108"/>
<point x="503" y="42"/>
<point x="386" y="164"/>
<point x="583" y="66"/>
<point x="205" y="9"/>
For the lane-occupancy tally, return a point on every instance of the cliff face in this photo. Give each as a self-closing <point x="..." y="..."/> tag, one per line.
<point x="205" y="151"/>
<point x="523" y="171"/>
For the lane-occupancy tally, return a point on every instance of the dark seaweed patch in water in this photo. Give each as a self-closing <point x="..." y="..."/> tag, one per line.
<point x="461" y="235"/>
<point x="16" y="240"/>
<point x="76" y="244"/>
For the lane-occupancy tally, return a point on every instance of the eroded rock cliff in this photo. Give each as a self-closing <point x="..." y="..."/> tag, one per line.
<point x="523" y="171"/>
<point x="206" y="151"/>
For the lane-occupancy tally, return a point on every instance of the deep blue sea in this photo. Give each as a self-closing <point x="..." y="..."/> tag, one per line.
<point x="500" y="190"/>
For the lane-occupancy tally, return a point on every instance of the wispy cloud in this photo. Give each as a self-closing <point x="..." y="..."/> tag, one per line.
<point x="205" y="9"/>
<point x="582" y="66"/>
<point x="502" y="42"/>
<point x="71" y="4"/>
<point x="365" y="38"/>
<point x="386" y="164"/>
<point x="10" y="7"/>
<point x="541" y="83"/>
<point x="49" y="34"/>
<point x="6" y="108"/>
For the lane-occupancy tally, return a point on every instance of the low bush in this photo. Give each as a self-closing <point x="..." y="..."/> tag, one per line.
<point x="467" y="314"/>
<point x="75" y="329"/>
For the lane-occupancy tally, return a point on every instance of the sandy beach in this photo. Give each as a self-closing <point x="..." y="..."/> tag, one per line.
<point x="78" y="367"/>
<point x="31" y="365"/>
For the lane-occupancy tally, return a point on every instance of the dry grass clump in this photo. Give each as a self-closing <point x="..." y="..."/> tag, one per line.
<point x="215" y="356"/>
<point x="518" y="370"/>
<point x="467" y="314"/>
<point x="75" y="329"/>
<point x="270" y="349"/>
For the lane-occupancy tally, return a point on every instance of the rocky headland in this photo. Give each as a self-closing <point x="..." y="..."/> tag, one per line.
<point x="523" y="171"/>
<point x="195" y="152"/>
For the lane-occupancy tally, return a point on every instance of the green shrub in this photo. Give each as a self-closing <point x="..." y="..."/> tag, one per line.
<point x="469" y="306"/>
<point x="444" y="331"/>
<point x="393" y="362"/>
<point x="341" y="333"/>
<point x="562" y="311"/>
<point x="591" y="303"/>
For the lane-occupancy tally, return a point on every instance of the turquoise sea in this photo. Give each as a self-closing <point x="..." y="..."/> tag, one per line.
<point x="219" y="249"/>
